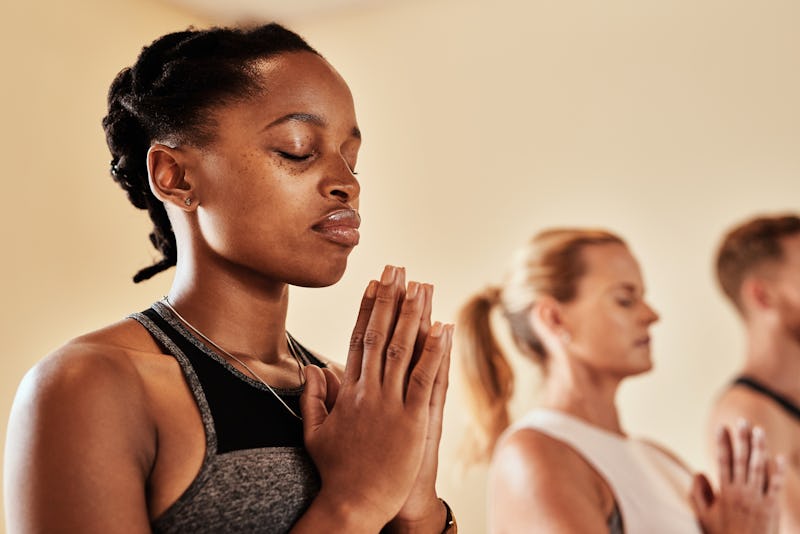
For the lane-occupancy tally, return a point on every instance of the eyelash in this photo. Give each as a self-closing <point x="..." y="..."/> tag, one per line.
<point x="303" y="157"/>
<point x="625" y="303"/>
<point x="294" y="157"/>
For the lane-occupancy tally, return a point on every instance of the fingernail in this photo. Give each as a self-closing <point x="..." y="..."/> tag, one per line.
<point x="412" y="291"/>
<point x="741" y="423"/>
<point x="758" y="433"/>
<point x="372" y="289"/>
<point x="389" y="274"/>
<point x="780" y="461"/>
<point x="436" y="329"/>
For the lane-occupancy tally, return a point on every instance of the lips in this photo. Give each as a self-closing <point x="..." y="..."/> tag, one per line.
<point x="340" y="227"/>
<point x="643" y="341"/>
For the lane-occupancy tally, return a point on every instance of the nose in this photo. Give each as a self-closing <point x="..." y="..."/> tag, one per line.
<point x="650" y="316"/>
<point x="340" y="183"/>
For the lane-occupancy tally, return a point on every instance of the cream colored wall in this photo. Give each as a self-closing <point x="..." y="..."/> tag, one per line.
<point x="483" y="122"/>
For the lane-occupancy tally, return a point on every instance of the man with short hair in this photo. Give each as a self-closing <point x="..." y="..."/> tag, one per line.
<point x="758" y="268"/>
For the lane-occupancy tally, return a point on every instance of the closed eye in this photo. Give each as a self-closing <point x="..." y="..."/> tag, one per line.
<point x="293" y="157"/>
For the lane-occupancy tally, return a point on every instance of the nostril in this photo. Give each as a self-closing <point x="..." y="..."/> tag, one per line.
<point x="340" y="194"/>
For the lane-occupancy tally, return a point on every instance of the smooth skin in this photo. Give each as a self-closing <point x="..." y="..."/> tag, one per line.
<point x="105" y="435"/>
<point x="770" y="297"/>
<point x="601" y="337"/>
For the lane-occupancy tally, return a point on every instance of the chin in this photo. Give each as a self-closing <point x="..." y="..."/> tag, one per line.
<point x="320" y="277"/>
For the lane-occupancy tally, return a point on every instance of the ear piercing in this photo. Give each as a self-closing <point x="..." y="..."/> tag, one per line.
<point x="188" y="201"/>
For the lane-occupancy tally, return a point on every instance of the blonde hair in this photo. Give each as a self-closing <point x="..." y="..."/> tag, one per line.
<point x="549" y="265"/>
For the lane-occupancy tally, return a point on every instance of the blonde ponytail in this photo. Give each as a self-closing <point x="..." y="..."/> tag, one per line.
<point x="488" y="375"/>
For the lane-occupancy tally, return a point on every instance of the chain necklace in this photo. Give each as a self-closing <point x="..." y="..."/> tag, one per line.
<point x="289" y="342"/>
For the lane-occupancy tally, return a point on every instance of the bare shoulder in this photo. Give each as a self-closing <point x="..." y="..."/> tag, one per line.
<point x="89" y="364"/>
<point x="80" y="435"/>
<point x="89" y="385"/>
<point x="538" y="481"/>
<point x="741" y="403"/>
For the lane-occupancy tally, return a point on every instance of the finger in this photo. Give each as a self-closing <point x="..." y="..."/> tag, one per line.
<point x="401" y="346"/>
<point x="756" y="472"/>
<point x="439" y="393"/>
<point x="352" y="369"/>
<point x="380" y="326"/>
<point x="312" y="401"/>
<point x="333" y="384"/>
<point x="776" y="477"/>
<point x="425" y="320"/>
<point x="702" y="496"/>
<point x="741" y="451"/>
<point x="423" y="375"/>
<point x="725" y="456"/>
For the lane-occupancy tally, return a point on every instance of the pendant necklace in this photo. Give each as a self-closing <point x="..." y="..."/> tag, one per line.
<point x="289" y="342"/>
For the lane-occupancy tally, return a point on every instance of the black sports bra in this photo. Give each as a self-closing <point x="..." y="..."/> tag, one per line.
<point x="790" y="407"/>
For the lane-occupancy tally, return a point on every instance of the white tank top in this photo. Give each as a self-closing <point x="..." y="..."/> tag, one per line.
<point x="651" y="489"/>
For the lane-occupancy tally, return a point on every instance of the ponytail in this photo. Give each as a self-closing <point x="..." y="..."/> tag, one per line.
<point x="488" y="375"/>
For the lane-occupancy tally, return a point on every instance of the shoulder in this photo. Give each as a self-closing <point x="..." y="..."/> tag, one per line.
<point x="84" y="382"/>
<point x="536" y="478"/>
<point x="80" y="436"/>
<point x="538" y="458"/>
<point x="741" y="403"/>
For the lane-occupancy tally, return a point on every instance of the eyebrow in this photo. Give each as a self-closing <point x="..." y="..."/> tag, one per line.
<point x="308" y="118"/>
<point x="627" y="287"/>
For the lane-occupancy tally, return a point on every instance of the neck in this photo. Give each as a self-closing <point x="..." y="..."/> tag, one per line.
<point x="773" y="358"/>
<point x="242" y="313"/>
<point x="585" y="393"/>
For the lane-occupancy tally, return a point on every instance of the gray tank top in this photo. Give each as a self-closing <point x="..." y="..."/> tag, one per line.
<point x="256" y="475"/>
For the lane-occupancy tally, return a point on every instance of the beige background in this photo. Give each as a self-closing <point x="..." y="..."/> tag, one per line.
<point x="484" y="121"/>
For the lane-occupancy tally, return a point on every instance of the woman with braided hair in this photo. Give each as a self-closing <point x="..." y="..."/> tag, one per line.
<point x="574" y="301"/>
<point x="202" y="413"/>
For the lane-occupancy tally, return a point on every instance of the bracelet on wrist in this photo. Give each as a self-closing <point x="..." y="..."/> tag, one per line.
<point x="450" y="526"/>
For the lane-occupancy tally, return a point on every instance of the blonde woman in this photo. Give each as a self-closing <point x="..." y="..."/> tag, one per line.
<point x="574" y="302"/>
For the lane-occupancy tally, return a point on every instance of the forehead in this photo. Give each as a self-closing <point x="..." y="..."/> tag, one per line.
<point x="608" y="266"/>
<point x="295" y="82"/>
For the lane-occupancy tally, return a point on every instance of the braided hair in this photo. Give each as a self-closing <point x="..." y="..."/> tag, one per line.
<point x="168" y="96"/>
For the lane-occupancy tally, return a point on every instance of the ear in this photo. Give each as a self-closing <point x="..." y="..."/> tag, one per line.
<point x="167" y="176"/>
<point x="547" y="316"/>
<point x="756" y="293"/>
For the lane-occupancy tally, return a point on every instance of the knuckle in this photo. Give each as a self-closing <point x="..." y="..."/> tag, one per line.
<point x="421" y="378"/>
<point x="356" y="341"/>
<point x="385" y="296"/>
<point x="395" y="351"/>
<point x="373" y="339"/>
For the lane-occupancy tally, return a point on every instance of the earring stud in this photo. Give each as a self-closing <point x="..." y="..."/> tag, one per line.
<point x="188" y="201"/>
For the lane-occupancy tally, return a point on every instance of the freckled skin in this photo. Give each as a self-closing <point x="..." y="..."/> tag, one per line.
<point x="256" y="206"/>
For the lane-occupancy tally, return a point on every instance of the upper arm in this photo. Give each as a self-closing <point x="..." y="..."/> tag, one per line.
<point x="79" y="447"/>
<point x="537" y="484"/>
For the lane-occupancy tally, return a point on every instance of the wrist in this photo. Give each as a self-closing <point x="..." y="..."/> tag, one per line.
<point x="332" y="513"/>
<point x="432" y="521"/>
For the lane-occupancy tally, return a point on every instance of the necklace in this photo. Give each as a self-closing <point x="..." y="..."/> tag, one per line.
<point x="289" y="342"/>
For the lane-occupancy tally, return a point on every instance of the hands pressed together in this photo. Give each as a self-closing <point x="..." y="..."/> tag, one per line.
<point x="749" y="487"/>
<point x="375" y="436"/>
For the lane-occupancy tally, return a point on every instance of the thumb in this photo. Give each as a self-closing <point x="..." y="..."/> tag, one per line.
<point x="312" y="401"/>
